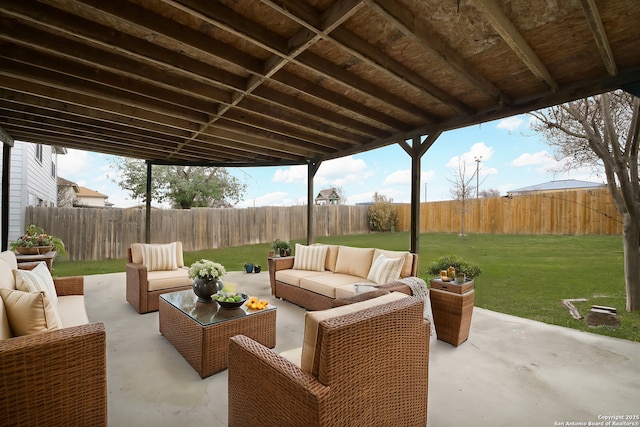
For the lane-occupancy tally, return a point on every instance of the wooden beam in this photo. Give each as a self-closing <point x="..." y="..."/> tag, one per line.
<point x="510" y="34"/>
<point x="595" y="23"/>
<point x="404" y="20"/>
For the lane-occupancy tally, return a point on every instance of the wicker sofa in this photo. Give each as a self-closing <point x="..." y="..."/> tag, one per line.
<point x="347" y="372"/>
<point x="147" y="278"/>
<point x="343" y="269"/>
<point x="57" y="374"/>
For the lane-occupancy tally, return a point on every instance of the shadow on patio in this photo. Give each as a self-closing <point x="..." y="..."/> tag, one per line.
<point x="511" y="371"/>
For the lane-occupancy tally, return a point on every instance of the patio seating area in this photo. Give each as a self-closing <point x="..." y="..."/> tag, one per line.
<point x="511" y="371"/>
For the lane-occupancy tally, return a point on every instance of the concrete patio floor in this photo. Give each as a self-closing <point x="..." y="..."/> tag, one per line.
<point x="511" y="371"/>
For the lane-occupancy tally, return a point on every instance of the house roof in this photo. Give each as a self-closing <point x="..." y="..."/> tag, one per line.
<point x="262" y="82"/>
<point x="86" y="192"/>
<point x="66" y="183"/>
<point x="564" y="184"/>
<point x="327" y="194"/>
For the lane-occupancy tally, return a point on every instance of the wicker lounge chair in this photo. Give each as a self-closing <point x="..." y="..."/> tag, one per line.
<point x="370" y="368"/>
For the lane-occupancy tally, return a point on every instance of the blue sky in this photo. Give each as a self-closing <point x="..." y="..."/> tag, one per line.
<point x="512" y="157"/>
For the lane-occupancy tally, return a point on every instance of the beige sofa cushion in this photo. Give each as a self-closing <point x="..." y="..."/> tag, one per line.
<point x="354" y="261"/>
<point x="7" y="277"/>
<point x="72" y="311"/>
<point x="29" y="312"/>
<point x="332" y="257"/>
<point x="10" y="258"/>
<point x="37" y="279"/>
<point x="136" y="254"/>
<point x="408" y="259"/>
<point x="293" y="277"/>
<point x="310" y="257"/>
<point x="384" y="270"/>
<point x="159" y="257"/>
<point x="313" y="318"/>
<point x="327" y="284"/>
<point x="168" y="279"/>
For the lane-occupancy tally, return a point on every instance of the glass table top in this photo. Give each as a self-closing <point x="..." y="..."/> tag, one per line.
<point x="207" y="313"/>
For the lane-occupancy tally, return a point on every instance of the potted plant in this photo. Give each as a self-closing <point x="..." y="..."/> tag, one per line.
<point x="248" y="267"/>
<point x="467" y="270"/>
<point x="36" y="241"/>
<point x="282" y="247"/>
<point x="206" y="278"/>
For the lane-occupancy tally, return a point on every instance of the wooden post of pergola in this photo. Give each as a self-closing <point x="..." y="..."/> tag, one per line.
<point x="147" y="220"/>
<point x="416" y="150"/>
<point x="312" y="168"/>
<point x="6" y="164"/>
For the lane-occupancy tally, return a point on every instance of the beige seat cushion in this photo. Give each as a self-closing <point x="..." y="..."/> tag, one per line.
<point x="71" y="310"/>
<point x="354" y="261"/>
<point x="327" y="284"/>
<point x="29" y="312"/>
<point x="313" y="318"/>
<point x="168" y="279"/>
<point x="408" y="259"/>
<point x="292" y="277"/>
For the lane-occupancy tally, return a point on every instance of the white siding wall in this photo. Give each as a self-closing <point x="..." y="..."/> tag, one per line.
<point x="31" y="183"/>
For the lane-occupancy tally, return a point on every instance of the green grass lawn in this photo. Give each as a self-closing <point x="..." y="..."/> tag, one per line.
<point x="523" y="275"/>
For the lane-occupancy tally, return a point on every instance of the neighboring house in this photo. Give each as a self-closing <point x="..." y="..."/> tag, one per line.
<point x="71" y="194"/>
<point x="560" y="185"/>
<point x="32" y="181"/>
<point x="328" y="197"/>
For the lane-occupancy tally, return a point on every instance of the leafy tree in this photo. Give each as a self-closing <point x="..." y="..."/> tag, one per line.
<point x="183" y="186"/>
<point x="382" y="214"/>
<point x="462" y="190"/>
<point x="603" y="131"/>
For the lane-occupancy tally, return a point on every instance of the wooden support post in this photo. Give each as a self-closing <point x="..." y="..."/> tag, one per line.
<point x="6" y="165"/>
<point x="312" y="168"/>
<point x="147" y="220"/>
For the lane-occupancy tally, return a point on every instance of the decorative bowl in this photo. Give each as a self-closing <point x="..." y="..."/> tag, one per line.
<point x="228" y="304"/>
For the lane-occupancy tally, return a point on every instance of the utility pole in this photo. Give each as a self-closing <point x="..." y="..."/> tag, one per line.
<point x="478" y="160"/>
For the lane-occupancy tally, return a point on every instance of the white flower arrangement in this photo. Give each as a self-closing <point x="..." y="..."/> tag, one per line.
<point x="206" y="268"/>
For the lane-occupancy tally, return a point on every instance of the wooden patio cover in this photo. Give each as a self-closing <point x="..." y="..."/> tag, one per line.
<point x="268" y="82"/>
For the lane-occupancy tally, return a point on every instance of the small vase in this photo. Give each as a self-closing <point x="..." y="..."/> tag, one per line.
<point x="204" y="287"/>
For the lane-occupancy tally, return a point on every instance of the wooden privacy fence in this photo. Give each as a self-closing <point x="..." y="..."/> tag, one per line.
<point x="104" y="233"/>
<point x="572" y="212"/>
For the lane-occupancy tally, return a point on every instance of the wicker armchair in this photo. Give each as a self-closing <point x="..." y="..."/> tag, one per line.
<point x="370" y="368"/>
<point x="55" y="378"/>
<point x="141" y="293"/>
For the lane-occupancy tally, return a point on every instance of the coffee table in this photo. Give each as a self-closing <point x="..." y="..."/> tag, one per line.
<point x="201" y="331"/>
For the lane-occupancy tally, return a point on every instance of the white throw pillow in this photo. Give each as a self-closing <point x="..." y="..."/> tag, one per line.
<point x="384" y="270"/>
<point x="36" y="280"/>
<point x="159" y="257"/>
<point x="310" y="258"/>
<point x="30" y="312"/>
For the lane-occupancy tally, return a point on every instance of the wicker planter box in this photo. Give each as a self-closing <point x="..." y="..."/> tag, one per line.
<point x="452" y="307"/>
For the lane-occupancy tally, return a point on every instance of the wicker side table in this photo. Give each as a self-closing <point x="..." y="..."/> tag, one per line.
<point x="452" y="306"/>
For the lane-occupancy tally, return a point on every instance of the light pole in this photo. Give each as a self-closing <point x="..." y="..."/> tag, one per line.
<point x="478" y="160"/>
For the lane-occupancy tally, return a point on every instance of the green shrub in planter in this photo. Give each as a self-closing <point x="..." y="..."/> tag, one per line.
<point x="443" y="263"/>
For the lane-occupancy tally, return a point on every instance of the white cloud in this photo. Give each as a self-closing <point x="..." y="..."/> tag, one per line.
<point x="479" y="150"/>
<point x="403" y="177"/>
<point x="342" y="171"/>
<point x="532" y="159"/>
<point x="292" y="174"/>
<point x="510" y="123"/>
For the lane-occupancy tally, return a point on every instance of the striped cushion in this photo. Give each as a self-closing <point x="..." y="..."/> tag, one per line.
<point x="159" y="257"/>
<point x="310" y="258"/>
<point x="384" y="270"/>
<point x="36" y="280"/>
